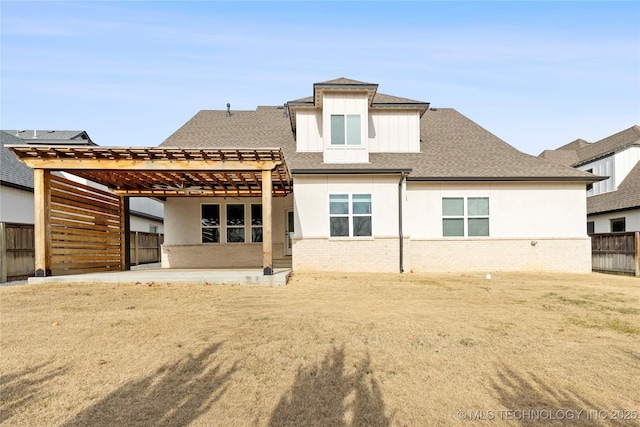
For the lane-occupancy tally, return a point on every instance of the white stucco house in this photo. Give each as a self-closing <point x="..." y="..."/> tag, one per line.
<point x="379" y="183"/>
<point x="16" y="180"/>
<point x="613" y="204"/>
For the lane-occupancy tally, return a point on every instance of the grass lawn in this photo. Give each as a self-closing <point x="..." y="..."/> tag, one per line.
<point x="325" y="350"/>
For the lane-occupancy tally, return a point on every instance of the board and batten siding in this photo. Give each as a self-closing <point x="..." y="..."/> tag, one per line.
<point x="394" y="131"/>
<point x="345" y="103"/>
<point x="309" y="131"/>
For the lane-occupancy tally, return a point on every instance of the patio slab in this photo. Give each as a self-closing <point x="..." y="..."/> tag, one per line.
<point x="173" y="276"/>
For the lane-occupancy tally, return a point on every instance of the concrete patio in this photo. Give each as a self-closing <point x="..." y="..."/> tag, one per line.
<point x="175" y="276"/>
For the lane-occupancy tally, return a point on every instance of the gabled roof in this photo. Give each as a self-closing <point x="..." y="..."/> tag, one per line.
<point x="13" y="172"/>
<point x="609" y="145"/>
<point x="627" y="196"/>
<point x="49" y="137"/>
<point x="342" y="84"/>
<point x="580" y="152"/>
<point x="452" y="148"/>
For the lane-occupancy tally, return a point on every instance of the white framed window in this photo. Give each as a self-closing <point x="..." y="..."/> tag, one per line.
<point x="350" y="215"/>
<point x="235" y="223"/>
<point x="346" y="129"/>
<point x="256" y="223"/>
<point x="465" y="216"/>
<point x="210" y="223"/>
<point x="226" y="223"/>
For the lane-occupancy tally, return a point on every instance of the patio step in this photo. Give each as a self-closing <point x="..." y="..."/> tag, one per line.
<point x="282" y="263"/>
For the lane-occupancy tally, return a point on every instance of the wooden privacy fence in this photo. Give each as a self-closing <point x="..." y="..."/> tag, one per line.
<point x="17" y="250"/>
<point x="145" y="247"/>
<point x="616" y="253"/>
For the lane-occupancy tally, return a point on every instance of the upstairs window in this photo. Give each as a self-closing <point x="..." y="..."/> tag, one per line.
<point x="459" y="222"/>
<point x="345" y="129"/>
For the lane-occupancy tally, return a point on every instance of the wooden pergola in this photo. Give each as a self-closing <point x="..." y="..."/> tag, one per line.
<point x="79" y="228"/>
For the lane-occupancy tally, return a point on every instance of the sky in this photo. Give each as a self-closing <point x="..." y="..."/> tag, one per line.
<point x="536" y="74"/>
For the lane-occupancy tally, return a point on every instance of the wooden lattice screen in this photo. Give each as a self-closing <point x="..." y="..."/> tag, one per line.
<point x="86" y="228"/>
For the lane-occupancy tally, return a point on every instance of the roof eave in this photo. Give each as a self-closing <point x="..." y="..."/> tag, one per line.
<point x="586" y="180"/>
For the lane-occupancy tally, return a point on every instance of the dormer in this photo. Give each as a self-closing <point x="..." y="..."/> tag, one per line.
<point x="347" y="119"/>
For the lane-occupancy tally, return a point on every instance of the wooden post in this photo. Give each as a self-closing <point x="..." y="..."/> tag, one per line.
<point x="267" y="245"/>
<point x="3" y="253"/>
<point x="42" y="221"/>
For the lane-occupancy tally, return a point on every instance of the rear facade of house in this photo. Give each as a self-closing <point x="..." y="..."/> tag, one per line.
<point x="381" y="184"/>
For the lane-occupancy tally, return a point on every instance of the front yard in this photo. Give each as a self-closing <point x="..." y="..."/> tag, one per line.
<point x="325" y="350"/>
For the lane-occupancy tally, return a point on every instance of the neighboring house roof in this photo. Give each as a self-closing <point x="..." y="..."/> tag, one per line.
<point x="580" y="152"/>
<point x="627" y="196"/>
<point x="51" y="137"/>
<point x="452" y="147"/>
<point x="13" y="172"/>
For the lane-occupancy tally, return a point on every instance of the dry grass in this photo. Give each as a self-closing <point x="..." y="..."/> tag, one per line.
<point x="326" y="350"/>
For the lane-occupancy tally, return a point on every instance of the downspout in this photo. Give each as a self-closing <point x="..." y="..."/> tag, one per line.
<point x="403" y="175"/>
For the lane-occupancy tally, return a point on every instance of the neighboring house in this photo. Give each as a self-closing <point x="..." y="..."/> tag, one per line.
<point x="613" y="205"/>
<point x="380" y="184"/>
<point x="16" y="180"/>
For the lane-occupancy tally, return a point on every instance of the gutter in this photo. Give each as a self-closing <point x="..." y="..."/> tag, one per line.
<point x="352" y="171"/>
<point x="594" y="178"/>
<point x="403" y="176"/>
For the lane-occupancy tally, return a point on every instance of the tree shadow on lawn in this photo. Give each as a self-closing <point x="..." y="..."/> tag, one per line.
<point x="534" y="402"/>
<point x="325" y="395"/>
<point x="174" y="395"/>
<point x="16" y="390"/>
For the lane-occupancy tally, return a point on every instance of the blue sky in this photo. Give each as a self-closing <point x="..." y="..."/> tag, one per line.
<point x="536" y="74"/>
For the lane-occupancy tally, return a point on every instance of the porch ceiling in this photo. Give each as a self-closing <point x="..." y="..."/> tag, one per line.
<point x="162" y="172"/>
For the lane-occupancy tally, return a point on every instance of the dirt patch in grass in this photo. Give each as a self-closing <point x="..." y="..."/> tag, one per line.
<point x="326" y="350"/>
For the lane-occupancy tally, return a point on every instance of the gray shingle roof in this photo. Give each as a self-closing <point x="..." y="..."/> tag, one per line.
<point x="579" y="152"/>
<point x="52" y="136"/>
<point x="609" y="145"/>
<point x="12" y="170"/>
<point x="452" y="147"/>
<point x="627" y="196"/>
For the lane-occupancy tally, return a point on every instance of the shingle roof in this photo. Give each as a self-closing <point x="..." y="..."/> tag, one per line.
<point x="579" y="152"/>
<point x="378" y="99"/>
<point x="609" y="145"/>
<point x="452" y="147"/>
<point x="627" y="196"/>
<point x="52" y="136"/>
<point x="345" y="81"/>
<point x="12" y="170"/>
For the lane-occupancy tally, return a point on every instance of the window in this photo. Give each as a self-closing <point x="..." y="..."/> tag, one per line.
<point x="345" y="129"/>
<point x="618" y="225"/>
<point x="350" y="215"/>
<point x="589" y="186"/>
<point x="256" y="223"/>
<point x="210" y="215"/>
<point x="235" y="223"/>
<point x="591" y="227"/>
<point x="153" y="228"/>
<point x="456" y="222"/>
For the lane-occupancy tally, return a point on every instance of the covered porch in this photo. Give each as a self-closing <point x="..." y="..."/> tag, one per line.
<point x="82" y="229"/>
